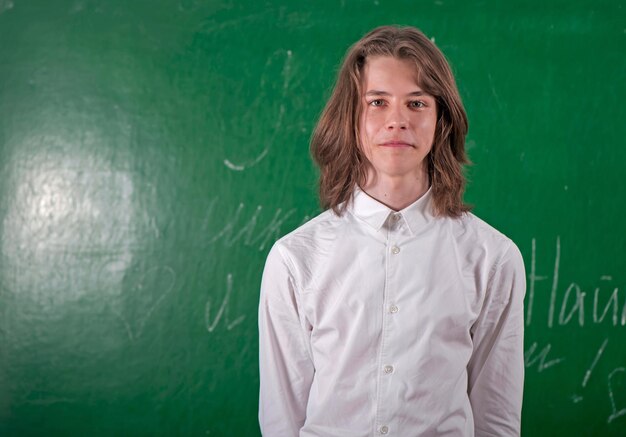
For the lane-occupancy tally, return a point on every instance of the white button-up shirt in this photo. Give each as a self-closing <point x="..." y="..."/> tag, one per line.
<point x="392" y="323"/>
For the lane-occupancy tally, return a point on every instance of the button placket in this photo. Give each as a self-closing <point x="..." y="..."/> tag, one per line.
<point x="394" y="232"/>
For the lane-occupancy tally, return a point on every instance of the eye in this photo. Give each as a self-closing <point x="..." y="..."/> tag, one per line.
<point x="416" y="104"/>
<point x="377" y="102"/>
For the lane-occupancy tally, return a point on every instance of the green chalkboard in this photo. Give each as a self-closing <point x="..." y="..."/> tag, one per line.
<point x="152" y="151"/>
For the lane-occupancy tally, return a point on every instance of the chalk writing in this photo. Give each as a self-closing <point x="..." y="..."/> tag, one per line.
<point x="579" y="305"/>
<point x="612" y="302"/>
<point x="212" y="322"/>
<point x="595" y="361"/>
<point x="578" y="398"/>
<point x="555" y="281"/>
<point x="247" y="233"/>
<point x="540" y="358"/>
<point x="146" y="301"/>
<point x="575" y="301"/>
<point x="616" y="378"/>
<point x="258" y="102"/>
<point x="251" y="163"/>
<point x="615" y="412"/>
<point x="494" y="92"/>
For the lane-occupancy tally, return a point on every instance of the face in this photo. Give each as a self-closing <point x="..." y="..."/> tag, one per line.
<point x="398" y="119"/>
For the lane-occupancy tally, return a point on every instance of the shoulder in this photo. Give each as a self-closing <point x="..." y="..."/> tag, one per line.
<point x="492" y="257"/>
<point x="477" y="237"/>
<point x="308" y="239"/>
<point x="478" y="231"/>
<point x="506" y="274"/>
<point x="292" y="255"/>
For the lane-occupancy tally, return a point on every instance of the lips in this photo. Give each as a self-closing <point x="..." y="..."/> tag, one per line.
<point x="396" y="143"/>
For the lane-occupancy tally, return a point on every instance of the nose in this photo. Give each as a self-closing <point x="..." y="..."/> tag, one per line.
<point x="396" y="119"/>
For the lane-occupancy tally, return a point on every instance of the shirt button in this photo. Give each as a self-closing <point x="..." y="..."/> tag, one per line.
<point x="395" y="250"/>
<point x="393" y="309"/>
<point x="396" y="217"/>
<point x="388" y="369"/>
<point x="384" y="429"/>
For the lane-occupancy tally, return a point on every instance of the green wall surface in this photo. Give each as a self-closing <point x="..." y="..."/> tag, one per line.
<point x="152" y="151"/>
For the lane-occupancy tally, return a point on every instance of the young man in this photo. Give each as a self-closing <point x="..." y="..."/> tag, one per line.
<point x="396" y="311"/>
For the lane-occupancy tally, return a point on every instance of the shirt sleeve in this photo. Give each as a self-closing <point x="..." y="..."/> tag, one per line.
<point x="286" y="368"/>
<point x="496" y="368"/>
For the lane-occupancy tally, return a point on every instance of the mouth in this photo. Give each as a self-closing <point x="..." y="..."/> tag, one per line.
<point x="396" y="144"/>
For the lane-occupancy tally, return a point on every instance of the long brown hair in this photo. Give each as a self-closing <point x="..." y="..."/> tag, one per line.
<point x="335" y="143"/>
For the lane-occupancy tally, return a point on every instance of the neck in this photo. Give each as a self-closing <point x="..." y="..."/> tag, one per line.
<point x="397" y="192"/>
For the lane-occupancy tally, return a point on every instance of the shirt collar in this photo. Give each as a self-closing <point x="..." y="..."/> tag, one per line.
<point x="374" y="213"/>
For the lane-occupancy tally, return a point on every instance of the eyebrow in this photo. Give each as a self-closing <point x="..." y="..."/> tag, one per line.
<point x="386" y="94"/>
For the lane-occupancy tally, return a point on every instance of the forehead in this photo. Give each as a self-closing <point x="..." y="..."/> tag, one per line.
<point x="390" y="70"/>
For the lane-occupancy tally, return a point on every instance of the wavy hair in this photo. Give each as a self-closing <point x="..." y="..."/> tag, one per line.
<point x="335" y="144"/>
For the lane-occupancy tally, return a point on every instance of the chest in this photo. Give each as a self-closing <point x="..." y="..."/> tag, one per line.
<point x="421" y="283"/>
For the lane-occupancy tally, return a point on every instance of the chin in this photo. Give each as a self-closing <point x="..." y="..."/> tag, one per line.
<point x="397" y="171"/>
